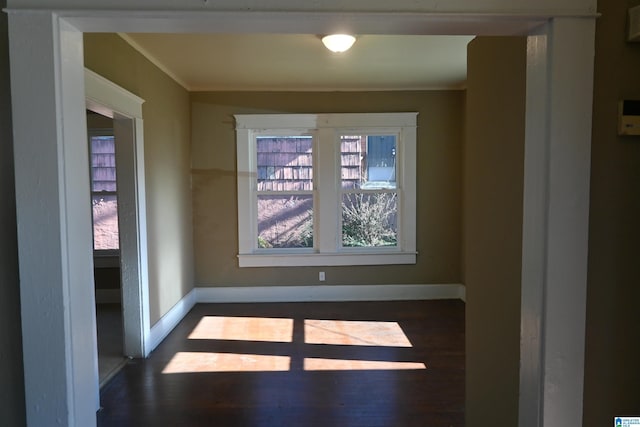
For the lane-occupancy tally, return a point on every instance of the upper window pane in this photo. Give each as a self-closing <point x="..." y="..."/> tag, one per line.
<point x="103" y="163"/>
<point x="368" y="161"/>
<point x="103" y="188"/>
<point x="284" y="163"/>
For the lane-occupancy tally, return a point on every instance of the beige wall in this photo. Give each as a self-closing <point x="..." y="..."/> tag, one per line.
<point x="214" y="185"/>
<point x="166" y="115"/>
<point x="97" y="121"/>
<point x="493" y="190"/>
<point x="12" y="409"/>
<point x="612" y="371"/>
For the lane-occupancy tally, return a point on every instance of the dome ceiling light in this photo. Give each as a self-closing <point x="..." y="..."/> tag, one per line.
<point x="338" y="42"/>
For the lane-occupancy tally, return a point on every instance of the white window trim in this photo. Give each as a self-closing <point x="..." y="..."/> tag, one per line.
<point x="325" y="127"/>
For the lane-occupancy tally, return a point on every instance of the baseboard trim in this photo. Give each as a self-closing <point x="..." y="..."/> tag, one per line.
<point x="329" y="293"/>
<point x="165" y="325"/>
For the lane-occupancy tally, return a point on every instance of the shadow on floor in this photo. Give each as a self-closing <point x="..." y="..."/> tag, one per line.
<point x="110" y="350"/>
<point x="352" y="364"/>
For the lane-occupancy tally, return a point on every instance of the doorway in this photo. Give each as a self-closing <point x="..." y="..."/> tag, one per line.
<point x="120" y="262"/>
<point x="106" y="244"/>
<point x="558" y="107"/>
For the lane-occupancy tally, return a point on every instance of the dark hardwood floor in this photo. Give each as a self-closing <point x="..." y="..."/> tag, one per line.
<point x="343" y="364"/>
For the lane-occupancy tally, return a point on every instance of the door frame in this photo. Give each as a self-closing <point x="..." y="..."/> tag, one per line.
<point x="46" y="65"/>
<point x="125" y="108"/>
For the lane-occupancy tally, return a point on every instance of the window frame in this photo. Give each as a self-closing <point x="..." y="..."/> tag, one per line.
<point x="399" y="184"/>
<point x="326" y="129"/>
<point x="256" y="193"/>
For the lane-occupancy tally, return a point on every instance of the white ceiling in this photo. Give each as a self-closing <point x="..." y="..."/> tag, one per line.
<point x="211" y="62"/>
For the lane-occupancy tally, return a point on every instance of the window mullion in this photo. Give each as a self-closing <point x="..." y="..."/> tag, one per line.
<point x="327" y="193"/>
<point x="246" y="173"/>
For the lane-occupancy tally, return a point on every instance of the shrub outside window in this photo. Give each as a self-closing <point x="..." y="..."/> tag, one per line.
<point x="368" y="185"/>
<point x="326" y="189"/>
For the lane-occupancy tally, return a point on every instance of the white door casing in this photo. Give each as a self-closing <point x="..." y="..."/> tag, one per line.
<point x="46" y="65"/>
<point x="125" y="109"/>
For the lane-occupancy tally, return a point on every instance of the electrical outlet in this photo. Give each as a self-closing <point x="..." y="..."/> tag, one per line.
<point x="321" y="276"/>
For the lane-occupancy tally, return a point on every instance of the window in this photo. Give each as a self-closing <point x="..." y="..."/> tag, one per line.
<point x="326" y="189"/>
<point x="284" y="191"/>
<point x="104" y="197"/>
<point x="369" y="201"/>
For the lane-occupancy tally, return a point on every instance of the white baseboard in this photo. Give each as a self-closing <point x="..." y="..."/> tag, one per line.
<point x="108" y="296"/>
<point x="165" y="325"/>
<point x="329" y="293"/>
<point x="162" y="327"/>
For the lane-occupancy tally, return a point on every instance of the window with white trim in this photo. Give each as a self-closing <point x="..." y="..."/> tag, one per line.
<point x="326" y="189"/>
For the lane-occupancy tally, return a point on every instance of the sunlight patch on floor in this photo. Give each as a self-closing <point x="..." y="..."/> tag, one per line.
<point x="316" y="364"/>
<point x="348" y="332"/>
<point x="280" y="330"/>
<point x="243" y="329"/>
<point x="192" y="362"/>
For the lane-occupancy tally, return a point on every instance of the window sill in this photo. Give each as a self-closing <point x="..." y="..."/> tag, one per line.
<point x="318" y="260"/>
<point x="106" y="258"/>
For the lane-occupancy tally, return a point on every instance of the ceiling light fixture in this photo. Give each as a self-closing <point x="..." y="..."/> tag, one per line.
<point x="338" y="42"/>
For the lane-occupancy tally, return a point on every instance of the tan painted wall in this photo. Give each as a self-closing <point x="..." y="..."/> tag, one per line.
<point x="493" y="190"/>
<point x="12" y="409"/>
<point x="214" y="185"/>
<point x="166" y="115"/>
<point x="612" y="371"/>
<point x="97" y="121"/>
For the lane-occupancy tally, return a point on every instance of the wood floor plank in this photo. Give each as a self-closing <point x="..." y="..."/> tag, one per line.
<point x="366" y="364"/>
